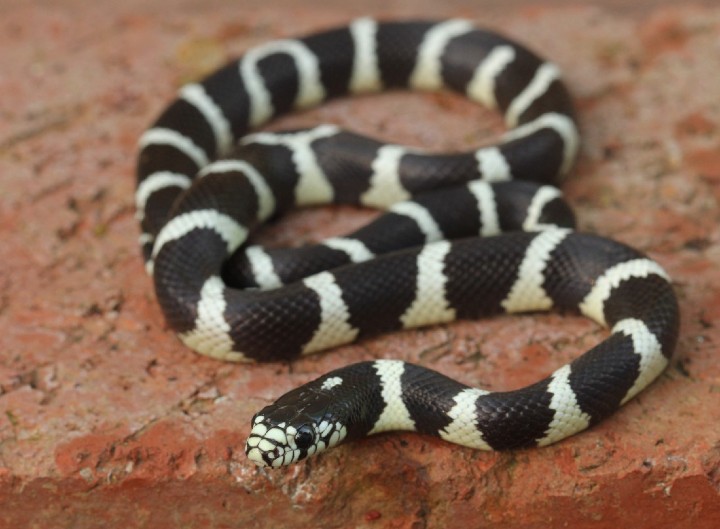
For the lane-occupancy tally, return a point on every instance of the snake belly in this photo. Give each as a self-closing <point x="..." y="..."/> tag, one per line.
<point x="462" y="235"/>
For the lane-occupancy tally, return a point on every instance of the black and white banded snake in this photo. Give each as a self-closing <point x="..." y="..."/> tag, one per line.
<point x="435" y="255"/>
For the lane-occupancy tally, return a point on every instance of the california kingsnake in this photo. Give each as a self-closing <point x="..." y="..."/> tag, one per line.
<point x="225" y="298"/>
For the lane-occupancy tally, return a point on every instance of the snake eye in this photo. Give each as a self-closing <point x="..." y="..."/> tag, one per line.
<point x="304" y="437"/>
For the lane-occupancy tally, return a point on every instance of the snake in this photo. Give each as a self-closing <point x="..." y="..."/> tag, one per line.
<point x="459" y="235"/>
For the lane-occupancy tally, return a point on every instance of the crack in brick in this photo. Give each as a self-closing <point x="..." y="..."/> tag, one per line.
<point x="31" y="132"/>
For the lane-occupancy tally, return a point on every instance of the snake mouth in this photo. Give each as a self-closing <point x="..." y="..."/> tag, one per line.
<point x="265" y="454"/>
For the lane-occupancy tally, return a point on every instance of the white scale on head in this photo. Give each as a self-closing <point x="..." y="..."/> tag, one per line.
<point x="331" y="383"/>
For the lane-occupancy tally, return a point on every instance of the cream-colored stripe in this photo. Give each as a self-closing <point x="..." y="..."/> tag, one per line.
<point x="385" y="185"/>
<point x="569" y="417"/>
<point x="262" y="268"/>
<point x="482" y="85"/>
<point x="155" y="182"/>
<point x="427" y="74"/>
<point x="430" y="304"/>
<point x="310" y="92"/>
<point x="354" y="248"/>
<point x="485" y="197"/>
<point x="395" y="415"/>
<point x="541" y="198"/>
<point x="312" y="187"/>
<point x="229" y="230"/>
<point x="593" y="306"/>
<point x="492" y="165"/>
<point x="334" y="328"/>
<point x="541" y="81"/>
<point x="422" y="217"/>
<point x="196" y="95"/>
<point x="561" y="124"/>
<point x="647" y="346"/>
<point x="163" y="136"/>
<point x="210" y="336"/>
<point x="366" y="75"/>
<point x="527" y="293"/>
<point x="266" y="198"/>
<point x="463" y="429"/>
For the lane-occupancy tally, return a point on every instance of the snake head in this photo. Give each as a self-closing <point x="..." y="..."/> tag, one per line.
<point x="292" y="429"/>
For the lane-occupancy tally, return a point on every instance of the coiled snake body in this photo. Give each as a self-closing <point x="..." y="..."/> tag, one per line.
<point x="437" y="253"/>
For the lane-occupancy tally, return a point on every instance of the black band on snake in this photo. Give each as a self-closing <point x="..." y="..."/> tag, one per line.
<point x="463" y="235"/>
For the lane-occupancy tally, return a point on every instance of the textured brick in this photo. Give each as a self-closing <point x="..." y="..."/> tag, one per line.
<point x="105" y="418"/>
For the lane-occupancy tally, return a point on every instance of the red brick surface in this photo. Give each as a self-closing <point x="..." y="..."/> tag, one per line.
<point x="107" y="420"/>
